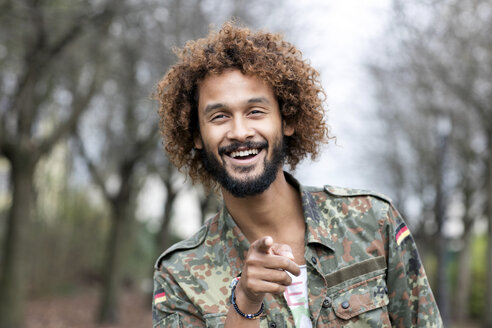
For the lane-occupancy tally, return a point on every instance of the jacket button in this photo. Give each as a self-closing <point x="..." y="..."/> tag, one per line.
<point x="345" y="305"/>
<point x="314" y="260"/>
<point x="272" y="325"/>
<point x="327" y="302"/>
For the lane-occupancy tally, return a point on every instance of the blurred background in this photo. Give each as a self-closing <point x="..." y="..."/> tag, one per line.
<point x="88" y="199"/>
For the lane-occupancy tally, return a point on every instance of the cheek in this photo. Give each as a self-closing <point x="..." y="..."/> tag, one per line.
<point x="273" y="130"/>
<point x="211" y="138"/>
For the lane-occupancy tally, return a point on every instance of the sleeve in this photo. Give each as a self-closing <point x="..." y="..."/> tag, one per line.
<point x="170" y="305"/>
<point x="412" y="303"/>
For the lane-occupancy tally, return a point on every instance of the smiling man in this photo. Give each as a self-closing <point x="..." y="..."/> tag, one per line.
<point x="239" y="117"/>
<point x="236" y="107"/>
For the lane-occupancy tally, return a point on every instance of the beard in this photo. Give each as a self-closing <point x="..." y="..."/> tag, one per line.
<point x="251" y="186"/>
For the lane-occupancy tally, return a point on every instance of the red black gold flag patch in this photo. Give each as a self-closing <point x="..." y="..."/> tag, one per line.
<point x="159" y="296"/>
<point x="401" y="233"/>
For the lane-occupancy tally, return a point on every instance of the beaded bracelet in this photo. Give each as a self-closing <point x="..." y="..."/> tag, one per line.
<point x="233" y="302"/>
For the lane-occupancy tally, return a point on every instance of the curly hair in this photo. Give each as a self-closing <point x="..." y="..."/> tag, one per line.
<point x="265" y="55"/>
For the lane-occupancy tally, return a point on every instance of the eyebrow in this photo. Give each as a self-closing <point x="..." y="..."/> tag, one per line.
<point x="258" y="100"/>
<point x="212" y="107"/>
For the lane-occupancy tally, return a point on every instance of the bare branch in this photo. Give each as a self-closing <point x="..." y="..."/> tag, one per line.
<point x="144" y="145"/>
<point x="79" y="106"/>
<point x="98" y="20"/>
<point x="95" y="174"/>
<point x="40" y="55"/>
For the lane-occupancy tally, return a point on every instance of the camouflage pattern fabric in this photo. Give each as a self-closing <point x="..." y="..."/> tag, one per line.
<point x="362" y="271"/>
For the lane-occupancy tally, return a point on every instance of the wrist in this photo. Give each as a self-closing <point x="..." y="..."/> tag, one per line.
<point x="243" y="306"/>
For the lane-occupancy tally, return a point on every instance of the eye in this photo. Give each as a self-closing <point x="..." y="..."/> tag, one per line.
<point x="218" y="117"/>
<point x="256" y="112"/>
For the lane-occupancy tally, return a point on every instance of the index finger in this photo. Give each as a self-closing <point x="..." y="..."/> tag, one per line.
<point x="263" y="245"/>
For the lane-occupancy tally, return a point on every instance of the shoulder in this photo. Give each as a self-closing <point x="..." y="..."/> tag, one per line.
<point x="335" y="191"/>
<point x="179" y="251"/>
<point x="350" y="202"/>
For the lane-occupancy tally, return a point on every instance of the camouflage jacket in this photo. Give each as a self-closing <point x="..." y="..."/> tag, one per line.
<point x="363" y="269"/>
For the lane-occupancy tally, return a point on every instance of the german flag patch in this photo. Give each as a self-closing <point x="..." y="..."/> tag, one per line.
<point x="159" y="296"/>
<point x="401" y="233"/>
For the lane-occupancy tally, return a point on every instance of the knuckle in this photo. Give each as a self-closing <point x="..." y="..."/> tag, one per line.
<point x="251" y="288"/>
<point x="284" y="262"/>
<point x="249" y="285"/>
<point x="250" y="272"/>
<point x="285" y="279"/>
<point x="252" y="260"/>
<point x="280" y="289"/>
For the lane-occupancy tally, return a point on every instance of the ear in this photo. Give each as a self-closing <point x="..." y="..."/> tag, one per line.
<point x="288" y="129"/>
<point x="198" y="141"/>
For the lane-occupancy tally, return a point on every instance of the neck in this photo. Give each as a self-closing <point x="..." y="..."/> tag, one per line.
<point x="276" y="212"/>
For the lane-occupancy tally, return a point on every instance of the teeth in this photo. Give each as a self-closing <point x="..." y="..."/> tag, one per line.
<point x="244" y="153"/>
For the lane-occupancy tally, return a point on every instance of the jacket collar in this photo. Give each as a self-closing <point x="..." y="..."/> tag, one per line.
<point x="317" y="229"/>
<point x="236" y="244"/>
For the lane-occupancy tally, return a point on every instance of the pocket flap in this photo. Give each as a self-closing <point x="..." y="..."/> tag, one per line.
<point x="361" y="297"/>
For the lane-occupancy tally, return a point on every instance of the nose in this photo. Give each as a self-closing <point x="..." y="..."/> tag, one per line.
<point x="240" y="129"/>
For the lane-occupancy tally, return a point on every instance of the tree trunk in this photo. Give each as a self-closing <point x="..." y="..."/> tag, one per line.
<point x="163" y="241"/>
<point x="442" y="278"/>
<point x="488" y="296"/>
<point x="462" y="299"/>
<point x="113" y="268"/>
<point x="12" y="280"/>
<point x="440" y="213"/>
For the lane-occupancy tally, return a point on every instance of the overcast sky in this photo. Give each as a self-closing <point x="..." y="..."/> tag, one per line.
<point x="338" y="37"/>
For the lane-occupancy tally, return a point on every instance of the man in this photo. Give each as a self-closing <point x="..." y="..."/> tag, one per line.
<point x="236" y="107"/>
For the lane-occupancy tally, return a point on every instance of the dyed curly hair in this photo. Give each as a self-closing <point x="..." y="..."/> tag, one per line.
<point x="265" y="55"/>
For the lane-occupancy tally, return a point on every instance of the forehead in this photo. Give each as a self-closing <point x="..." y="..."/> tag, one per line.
<point x="232" y="83"/>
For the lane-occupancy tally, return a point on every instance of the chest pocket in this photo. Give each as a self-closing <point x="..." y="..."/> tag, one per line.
<point x="357" y="296"/>
<point x="363" y="304"/>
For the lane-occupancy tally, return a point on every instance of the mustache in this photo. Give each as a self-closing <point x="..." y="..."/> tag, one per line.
<point x="236" y="145"/>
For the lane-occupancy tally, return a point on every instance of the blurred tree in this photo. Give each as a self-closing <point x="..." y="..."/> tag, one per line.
<point x="470" y="185"/>
<point x="139" y="48"/>
<point x="47" y="80"/>
<point x="163" y="240"/>
<point x="119" y="166"/>
<point x="437" y="66"/>
<point x="210" y="204"/>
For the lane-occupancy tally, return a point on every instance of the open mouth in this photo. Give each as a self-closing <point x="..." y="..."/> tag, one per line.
<point x="244" y="154"/>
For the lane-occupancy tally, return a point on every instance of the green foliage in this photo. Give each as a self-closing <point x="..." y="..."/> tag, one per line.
<point x="67" y="249"/>
<point x="140" y="261"/>
<point x="479" y="276"/>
